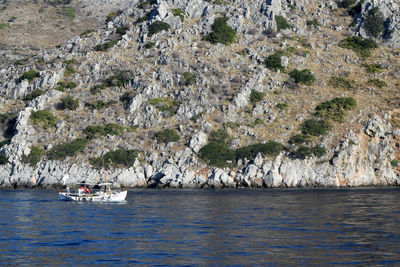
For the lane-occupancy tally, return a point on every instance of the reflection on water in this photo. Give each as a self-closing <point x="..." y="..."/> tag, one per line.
<point x="204" y="227"/>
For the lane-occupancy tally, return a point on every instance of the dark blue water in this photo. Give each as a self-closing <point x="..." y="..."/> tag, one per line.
<point x="204" y="227"/>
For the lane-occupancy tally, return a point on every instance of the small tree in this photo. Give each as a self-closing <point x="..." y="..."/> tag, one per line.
<point x="158" y="26"/>
<point x="29" y="75"/>
<point x="374" y="23"/>
<point x="43" y="117"/>
<point x="274" y="62"/>
<point x="166" y="136"/>
<point x="315" y="127"/>
<point x="69" y="102"/>
<point x="222" y="32"/>
<point x="33" y="95"/>
<point x="256" y="96"/>
<point x="302" y="76"/>
<point x="34" y="157"/>
<point x="190" y="78"/>
<point x="281" y="23"/>
<point x="217" y="154"/>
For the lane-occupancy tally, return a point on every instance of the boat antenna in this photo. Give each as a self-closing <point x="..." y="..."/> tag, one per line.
<point x="105" y="178"/>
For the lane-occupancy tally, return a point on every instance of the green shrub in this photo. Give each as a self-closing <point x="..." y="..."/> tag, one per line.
<point x="302" y="76"/>
<point x="222" y="32"/>
<point x="127" y="96"/>
<point x="69" y="12"/>
<point x="106" y="45"/>
<point x="196" y="117"/>
<point x="315" y="127"/>
<point x="282" y="106"/>
<point x="3" y="25"/>
<point x="64" y="150"/>
<point x="313" y="22"/>
<point x="111" y="16"/>
<point x="299" y="139"/>
<point x="34" y="157"/>
<point x="302" y="152"/>
<point x="336" y="108"/>
<point x="29" y="75"/>
<point x="122" y="30"/>
<point x="69" y="102"/>
<point x="359" y="45"/>
<point x="144" y="5"/>
<point x="257" y="121"/>
<point x="143" y="19"/>
<point x="219" y="136"/>
<point x="166" y="136"/>
<point x="61" y="85"/>
<point x="377" y="83"/>
<point x="86" y="33"/>
<point x="44" y="118"/>
<point x="165" y="104"/>
<point x="98" y="105"/>
<point x="33" y="95"/>
<point x="71" y="85"/>
<point x="273" y="62"/>
<point x="217" y="154"/>
<point x="270" y="148"/>
<point x="190" y="78"/>
<point x="149" y="45"/>
<point x="119" y="158"/>
<point x="281" y="23"/>
<point x="71" y="61"/>
<point x="97" y="88"/>
<point x="3" y="159"/>
<point x="340" y="82"/>
<point x="92" y="131"/>
<point x="4" y="142"/>
<point x="121" y="79"/>
<point x="348" y="3"/>
<point x="69" y="69"/>
<point x="394" y="162"/>
<point x="4" y="117"/>
<point x="157" y="27"/>
<point x="21" y="61"/>
<point x="318" y="151"/>
<point x="372" y="68"/>
<point x="177" y="12"/>
<point x="57" y="2"/>
<point x="256" y="96"/>
<point x="374" y="23"/>
<point x="356" y="9"/>
<point x="113" y="129"/>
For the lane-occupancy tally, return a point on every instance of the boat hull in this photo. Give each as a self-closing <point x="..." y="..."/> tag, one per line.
<point x="113" y="197"/>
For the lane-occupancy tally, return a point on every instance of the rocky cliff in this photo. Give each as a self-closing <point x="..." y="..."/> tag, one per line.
<point x="276" y="91"/>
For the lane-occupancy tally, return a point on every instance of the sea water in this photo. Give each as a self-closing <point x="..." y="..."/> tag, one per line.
<point x="204" y="227"/>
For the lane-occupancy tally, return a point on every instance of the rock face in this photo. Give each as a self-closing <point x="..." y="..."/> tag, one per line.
<point x="362" y="159"/>
<point x="391" y="13"/>
<point x="174" y="79"/>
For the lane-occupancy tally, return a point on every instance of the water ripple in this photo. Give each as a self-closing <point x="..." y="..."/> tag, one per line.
<point x="204" y="227"/>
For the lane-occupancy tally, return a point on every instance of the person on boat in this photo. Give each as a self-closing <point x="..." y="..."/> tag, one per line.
<point x="68" y="192"/>
<point x="85" y="189"/>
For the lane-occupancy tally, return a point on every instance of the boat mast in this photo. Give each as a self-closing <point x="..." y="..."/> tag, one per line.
<point x="105" y="176"/>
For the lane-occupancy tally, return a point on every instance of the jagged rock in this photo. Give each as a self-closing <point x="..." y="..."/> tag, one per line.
<point x="197" y="141"/>
<point x="130" y="178"/>
<point x="391" y="13"/>
<point x="219" y="179"/>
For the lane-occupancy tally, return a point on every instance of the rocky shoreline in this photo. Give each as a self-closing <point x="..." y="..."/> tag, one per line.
<point x="363" y="159"/>
<point x="153" y="67"/>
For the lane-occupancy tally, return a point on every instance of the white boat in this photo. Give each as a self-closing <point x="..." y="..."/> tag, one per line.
<point x="85" y="194"/>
